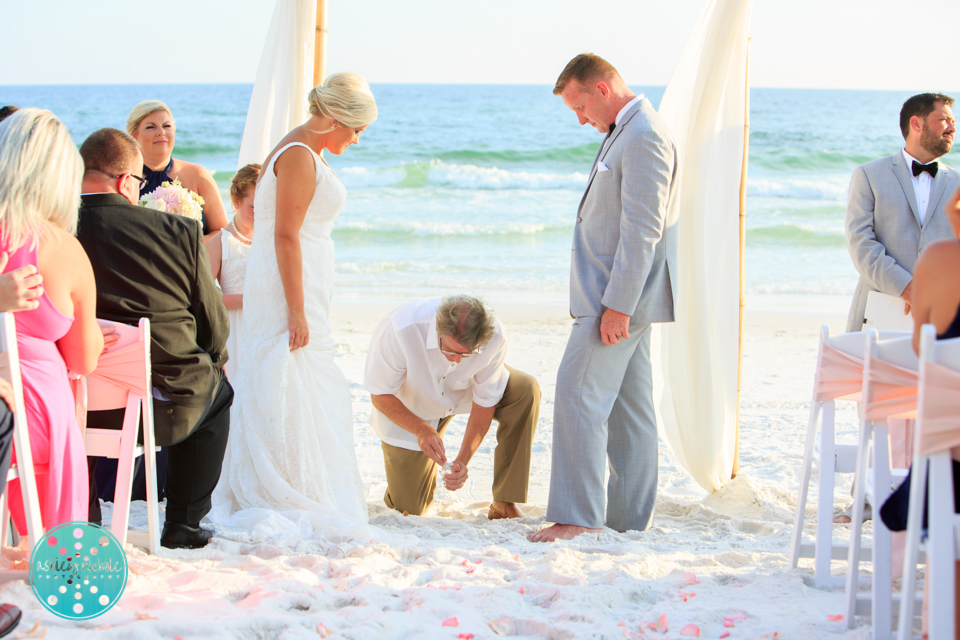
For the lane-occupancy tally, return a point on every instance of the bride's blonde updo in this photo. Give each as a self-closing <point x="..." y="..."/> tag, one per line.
<point x="345" y="97"/>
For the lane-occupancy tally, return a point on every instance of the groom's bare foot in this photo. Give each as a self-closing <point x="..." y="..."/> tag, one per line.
<point x="560" y="532"/>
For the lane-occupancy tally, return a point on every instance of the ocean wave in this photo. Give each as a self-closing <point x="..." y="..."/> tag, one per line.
<point x="797" y="235"/>
<point x="830" y="189"/>
<point x="806" y="160"/>
<point x="412" y="229"/>
<point x="580" y="154"/>
<point x="415" y="175"/>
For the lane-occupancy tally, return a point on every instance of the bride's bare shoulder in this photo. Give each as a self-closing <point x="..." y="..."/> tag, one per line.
<point x="293" y="155"/>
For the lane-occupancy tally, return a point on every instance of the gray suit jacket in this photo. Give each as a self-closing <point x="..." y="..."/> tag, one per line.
<point x="884" y="235"/>
<point x="624" y="254"/>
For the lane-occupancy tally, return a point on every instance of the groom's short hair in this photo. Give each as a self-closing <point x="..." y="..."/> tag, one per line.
<point x="584" y="68"/>
<point x="109" y="151"/>
<point x="920" y="105"/>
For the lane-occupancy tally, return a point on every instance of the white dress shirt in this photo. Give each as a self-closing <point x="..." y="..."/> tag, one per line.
<point x="626" y="108"/>
<point x="921" y="186"/>
<point x="405" y="360"/>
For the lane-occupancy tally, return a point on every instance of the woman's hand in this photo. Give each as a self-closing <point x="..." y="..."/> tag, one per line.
<point x="299" y="331"/>
<point x="110" y="337"/>
<point x="20" y="288"/>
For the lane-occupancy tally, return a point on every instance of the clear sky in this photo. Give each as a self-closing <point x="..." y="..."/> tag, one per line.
<point x="854" y="44"/>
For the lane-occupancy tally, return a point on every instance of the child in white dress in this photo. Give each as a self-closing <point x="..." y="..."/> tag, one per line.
<point x="229" y="249"/>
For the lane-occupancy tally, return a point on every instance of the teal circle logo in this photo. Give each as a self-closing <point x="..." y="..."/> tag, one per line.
<point x="78" y="571"/>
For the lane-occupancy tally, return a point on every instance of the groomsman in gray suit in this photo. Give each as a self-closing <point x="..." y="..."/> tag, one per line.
<point x="622" y="279"/>
<point x="895" y="204"/>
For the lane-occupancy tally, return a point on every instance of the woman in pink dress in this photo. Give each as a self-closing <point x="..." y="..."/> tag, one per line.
<point x="40" y="174"/>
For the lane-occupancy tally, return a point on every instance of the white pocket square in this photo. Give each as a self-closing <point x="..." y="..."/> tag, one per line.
<point x="602" y="167"/>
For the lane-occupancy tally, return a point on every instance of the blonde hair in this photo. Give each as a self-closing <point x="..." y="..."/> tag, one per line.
<point x="345" y="97"/>
<point x="244" y="182"/>
<point x="40" y="176"/>
<point x="465" y="319"/>
<point x="141" y="110"/>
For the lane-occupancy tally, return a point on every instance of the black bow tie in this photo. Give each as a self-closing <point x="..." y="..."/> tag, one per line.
<point x="929" y="168"/>
<point x="612" y="127"/>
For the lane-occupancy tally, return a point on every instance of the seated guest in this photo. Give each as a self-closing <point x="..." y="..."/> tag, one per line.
<point x="151" y="124"/>
<point x="40" y="173"/>
<point x="936" y="301"/>
<point x="154" y="265"/>
<point x="229" y="250"/>
<point x="435" y="358"/>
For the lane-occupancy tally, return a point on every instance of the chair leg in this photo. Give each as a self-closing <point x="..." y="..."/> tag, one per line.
<point x="797" y="537"/>
<point x="856" y="525"/>
<point x="882" y="585"/>
<point x="4" y="519"/>
<point x="940" y="547"/>
<point x="911" y="553"/>
<point x="150" y="470"/>
<point x="128" y="444"/>
<point x="828" y="464"/>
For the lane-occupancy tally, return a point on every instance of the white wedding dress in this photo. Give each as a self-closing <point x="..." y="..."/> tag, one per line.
<point x="290" y="470"/>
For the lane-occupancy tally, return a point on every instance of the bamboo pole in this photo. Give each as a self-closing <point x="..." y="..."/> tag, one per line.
<point x="743" y="239"/>
<point x="320" y="45"/>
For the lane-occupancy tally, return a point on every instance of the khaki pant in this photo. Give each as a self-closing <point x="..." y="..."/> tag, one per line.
<point x="412" y="476"/>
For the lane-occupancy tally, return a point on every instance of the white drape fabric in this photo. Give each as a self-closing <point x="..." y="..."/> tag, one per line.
<point x="704" y="107"/>
<point x="284" y="78"/>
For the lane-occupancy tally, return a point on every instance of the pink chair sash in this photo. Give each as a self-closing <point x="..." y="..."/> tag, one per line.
<point x="940" y="428"/>
<point x="893" y="392"/>
<point x="122" y="367"/>
<point x="840" y="375"/>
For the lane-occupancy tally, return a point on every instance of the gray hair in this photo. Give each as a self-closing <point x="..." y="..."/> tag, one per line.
<point x="40" y="176"/>
<point x="141" y="110"/>
<point x="345" y="97"/>
<point x="465" y="319"/>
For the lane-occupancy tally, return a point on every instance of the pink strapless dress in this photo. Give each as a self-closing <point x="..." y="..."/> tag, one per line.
<point x="55" y="438"/>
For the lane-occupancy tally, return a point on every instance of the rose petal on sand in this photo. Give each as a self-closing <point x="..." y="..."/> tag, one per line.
<point x="322" y="630"/>
<point x="725" y="634"/>
<point x="522" y="591"/>
<point x="465" y="636"/>
<point x="36" y="631"/>
<point x="660" y="626"/>
<point x="450" y="622"/>
<point x="727" y="623"/>
<point x="144" y="616"/>
<point x="691" y="630"/>
<point x="689" y="578"/>
<point x="836" y="618"/>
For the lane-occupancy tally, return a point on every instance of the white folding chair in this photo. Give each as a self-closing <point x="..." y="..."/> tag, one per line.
<point x="889" y="391"/>
<point x="122" y="380"/>
<point x="937" y="432"/>
<point x="839" y="376"/>
<point x="24" y="469"/>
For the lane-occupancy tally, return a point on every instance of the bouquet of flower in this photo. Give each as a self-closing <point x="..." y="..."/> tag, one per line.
<point x="176" y="199"/>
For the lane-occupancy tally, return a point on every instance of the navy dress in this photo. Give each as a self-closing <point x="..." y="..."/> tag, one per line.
<point x="894" y="510"/>
<point x="156" y="178"/>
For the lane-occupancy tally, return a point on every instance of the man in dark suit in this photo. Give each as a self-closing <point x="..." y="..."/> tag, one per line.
<point x="153" y="264"/>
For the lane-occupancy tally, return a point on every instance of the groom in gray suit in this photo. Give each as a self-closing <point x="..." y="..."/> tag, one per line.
<point x="895" y="204"/>
<point x="622" y="279"/>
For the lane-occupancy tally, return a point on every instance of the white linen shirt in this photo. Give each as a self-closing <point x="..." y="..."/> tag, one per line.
<point x="405" y="361"/>
<point x="921" y="186"/>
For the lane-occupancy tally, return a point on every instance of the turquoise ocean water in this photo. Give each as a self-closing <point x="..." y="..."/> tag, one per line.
<point x="475" y="187"/>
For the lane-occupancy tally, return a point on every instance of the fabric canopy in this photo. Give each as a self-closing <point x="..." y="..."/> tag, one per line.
<point x="704" y="105"/>
<point x="284" y="78"/>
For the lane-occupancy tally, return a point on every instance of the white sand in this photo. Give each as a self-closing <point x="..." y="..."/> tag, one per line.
<point x="486" y="574"/>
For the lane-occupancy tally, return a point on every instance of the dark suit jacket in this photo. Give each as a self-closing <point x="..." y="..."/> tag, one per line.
<point x="154" y="265"/>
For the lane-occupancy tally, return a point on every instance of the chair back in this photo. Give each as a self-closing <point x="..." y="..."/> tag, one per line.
<point x="121" y="370"/>
<point x="840" y="364"/>
<point x="10" y="371"/>
<point x="938" y="424"/>
<point x="889" y="378"/>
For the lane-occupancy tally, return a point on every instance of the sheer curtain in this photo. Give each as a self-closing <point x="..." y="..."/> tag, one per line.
<point x="284" y="78"/>
<point x="704" y="107"/>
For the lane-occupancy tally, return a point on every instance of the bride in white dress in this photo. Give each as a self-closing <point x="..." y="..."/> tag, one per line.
<point x="290" y="466"/>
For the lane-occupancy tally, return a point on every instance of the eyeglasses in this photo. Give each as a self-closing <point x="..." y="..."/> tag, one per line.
<point x="476" y="352"/>
<point x="142" y="181"/>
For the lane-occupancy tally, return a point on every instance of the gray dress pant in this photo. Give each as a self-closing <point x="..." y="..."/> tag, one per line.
<point x="604" y="409"/>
